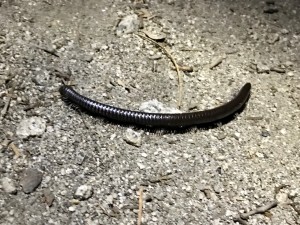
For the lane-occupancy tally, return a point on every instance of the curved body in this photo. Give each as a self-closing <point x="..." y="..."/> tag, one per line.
<point x="176" y="120"/>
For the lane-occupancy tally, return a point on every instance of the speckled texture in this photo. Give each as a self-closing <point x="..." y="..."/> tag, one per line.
<point x="197" y="177"/>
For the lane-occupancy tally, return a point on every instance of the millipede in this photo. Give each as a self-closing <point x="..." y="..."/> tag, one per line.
<point x="159" y="120"/>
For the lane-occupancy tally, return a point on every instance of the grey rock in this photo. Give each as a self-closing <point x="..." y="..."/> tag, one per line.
<point x="72" y="208"/>
<point x="154" y="106"/>
<point x="272" y="38"/>
<point x="141" y="166"/>
<point x="48" y="197"/>
<point x="133" y="138"/>
<point x="128" y="24"/>
<point x="34" y="126"/>
<point x="218" y="188"/>
<point x="31" y="180"/>
<point x="8" y="185"/>
<point x="83" y="192"/>
<point x="282" y="197"/>
<point x="284" y="31"/>
<point x="265" y="133"/>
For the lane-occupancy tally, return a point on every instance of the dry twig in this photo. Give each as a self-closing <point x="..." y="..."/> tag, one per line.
<point x="191" y="50"/>
<point x="245" y="216"/>
<point x="6" y="106"/>
<point x="15" y="149"/>
<point x="139" y="222"/>
<point x="50" y="51"/>
<point x="216" y="61"/>
<point x="240" y="220"/>
<point x="180" y="85"/>
<point x="259" y="210"/>
<point x="184" y="68"/>
<point x="160" y="179"/>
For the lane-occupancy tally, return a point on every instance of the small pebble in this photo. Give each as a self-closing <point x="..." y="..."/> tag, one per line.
<point x="127" y="25"/>
<point x="110" y="199"/>
<point x="31" y="180"/>
<point x="284" y="31"/>
<point x="83" y="192"/>
<point x="282" y="198"/>
<point x="188" y="188"/>
<point x="72" y="208"/>
<point x="221" y="136"/>
<point x="141" y="166"/>
<point x="144" y="154"/>
<point x="283" y="131"/>
<point x="8" y="185"/>
<point x="49" y="197"/>
<point x="88" y="58"/>
<point x="133" y="138"/>
<point x="259" y="155"/>
<point x="265" y="133"/>
<point x="218" y="188"/>
<point x="154" y="106"/>
<point x="272" y="38"/>
<point x="288" y="64"/>
<point x="34" y="126"/>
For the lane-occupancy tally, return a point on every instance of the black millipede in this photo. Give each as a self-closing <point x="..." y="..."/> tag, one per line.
<point x="159" y="120"/>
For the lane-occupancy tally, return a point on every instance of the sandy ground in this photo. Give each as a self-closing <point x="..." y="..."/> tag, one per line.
<point x="78" y="169"/>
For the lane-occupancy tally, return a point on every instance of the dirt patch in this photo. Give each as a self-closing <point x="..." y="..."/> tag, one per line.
<point x="90" y="173"/>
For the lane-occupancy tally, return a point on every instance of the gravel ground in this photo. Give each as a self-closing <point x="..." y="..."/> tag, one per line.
<point x="61" y="166"/>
